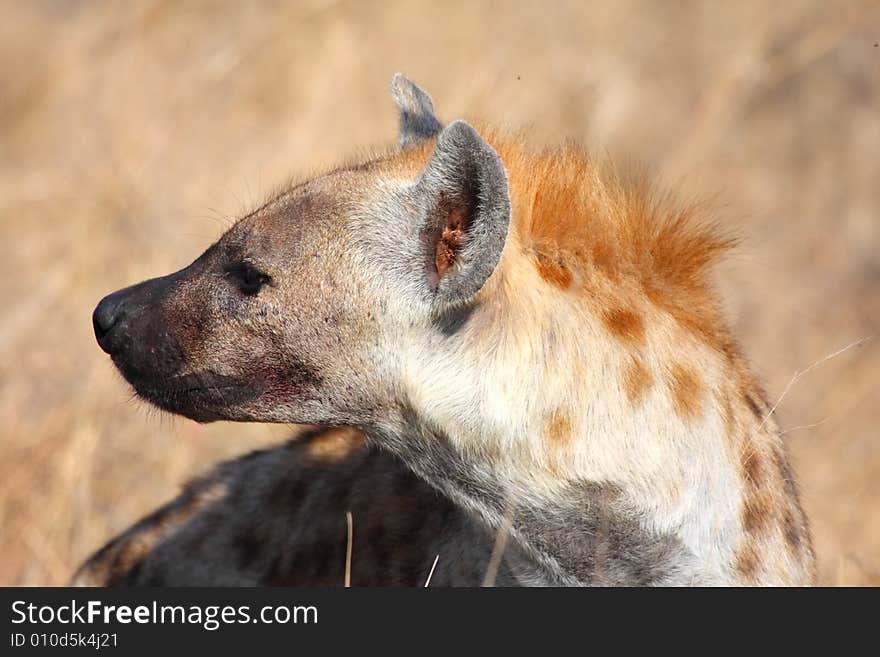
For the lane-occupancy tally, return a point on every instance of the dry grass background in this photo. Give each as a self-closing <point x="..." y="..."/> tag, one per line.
<point x="130" y="133"/>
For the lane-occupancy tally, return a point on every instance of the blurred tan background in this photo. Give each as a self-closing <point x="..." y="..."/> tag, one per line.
<point x="132" y="133"/>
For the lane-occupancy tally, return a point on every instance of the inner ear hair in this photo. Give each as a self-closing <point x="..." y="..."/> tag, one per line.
<point x="444" y="238"/>
<point x="450" y="241"/>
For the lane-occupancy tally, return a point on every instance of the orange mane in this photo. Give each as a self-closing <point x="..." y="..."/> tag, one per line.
<point x="616" y="237"/>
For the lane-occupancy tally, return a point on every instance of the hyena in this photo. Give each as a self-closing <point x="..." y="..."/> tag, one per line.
<point x="277" y="517"/>
<point x="534" y="334"/>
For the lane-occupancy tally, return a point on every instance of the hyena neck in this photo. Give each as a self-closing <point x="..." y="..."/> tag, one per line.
<point x="586" y="534"/>
<point x="609" y="464"/>
<point x="593" y="384"/>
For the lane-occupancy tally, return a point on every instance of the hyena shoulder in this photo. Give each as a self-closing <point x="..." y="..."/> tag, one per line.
<point x="278" y="517"/>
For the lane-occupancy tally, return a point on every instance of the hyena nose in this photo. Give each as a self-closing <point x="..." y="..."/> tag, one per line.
<point x="106" y="317"/>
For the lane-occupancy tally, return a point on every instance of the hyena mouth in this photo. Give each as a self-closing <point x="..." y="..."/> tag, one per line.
<point x="201" y="397"/>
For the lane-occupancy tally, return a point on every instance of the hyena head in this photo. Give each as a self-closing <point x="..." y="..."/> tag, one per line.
<point x="297" y="313"/>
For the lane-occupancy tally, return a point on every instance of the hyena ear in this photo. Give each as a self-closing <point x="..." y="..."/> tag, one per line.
<point x="466" y="204"/>
<point x="416" y="111"/>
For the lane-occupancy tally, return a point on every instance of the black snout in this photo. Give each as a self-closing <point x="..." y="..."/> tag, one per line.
<point x="107" y="316"/>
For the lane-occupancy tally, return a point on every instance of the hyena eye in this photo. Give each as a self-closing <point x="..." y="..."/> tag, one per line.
<point x="248" y="278"/>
